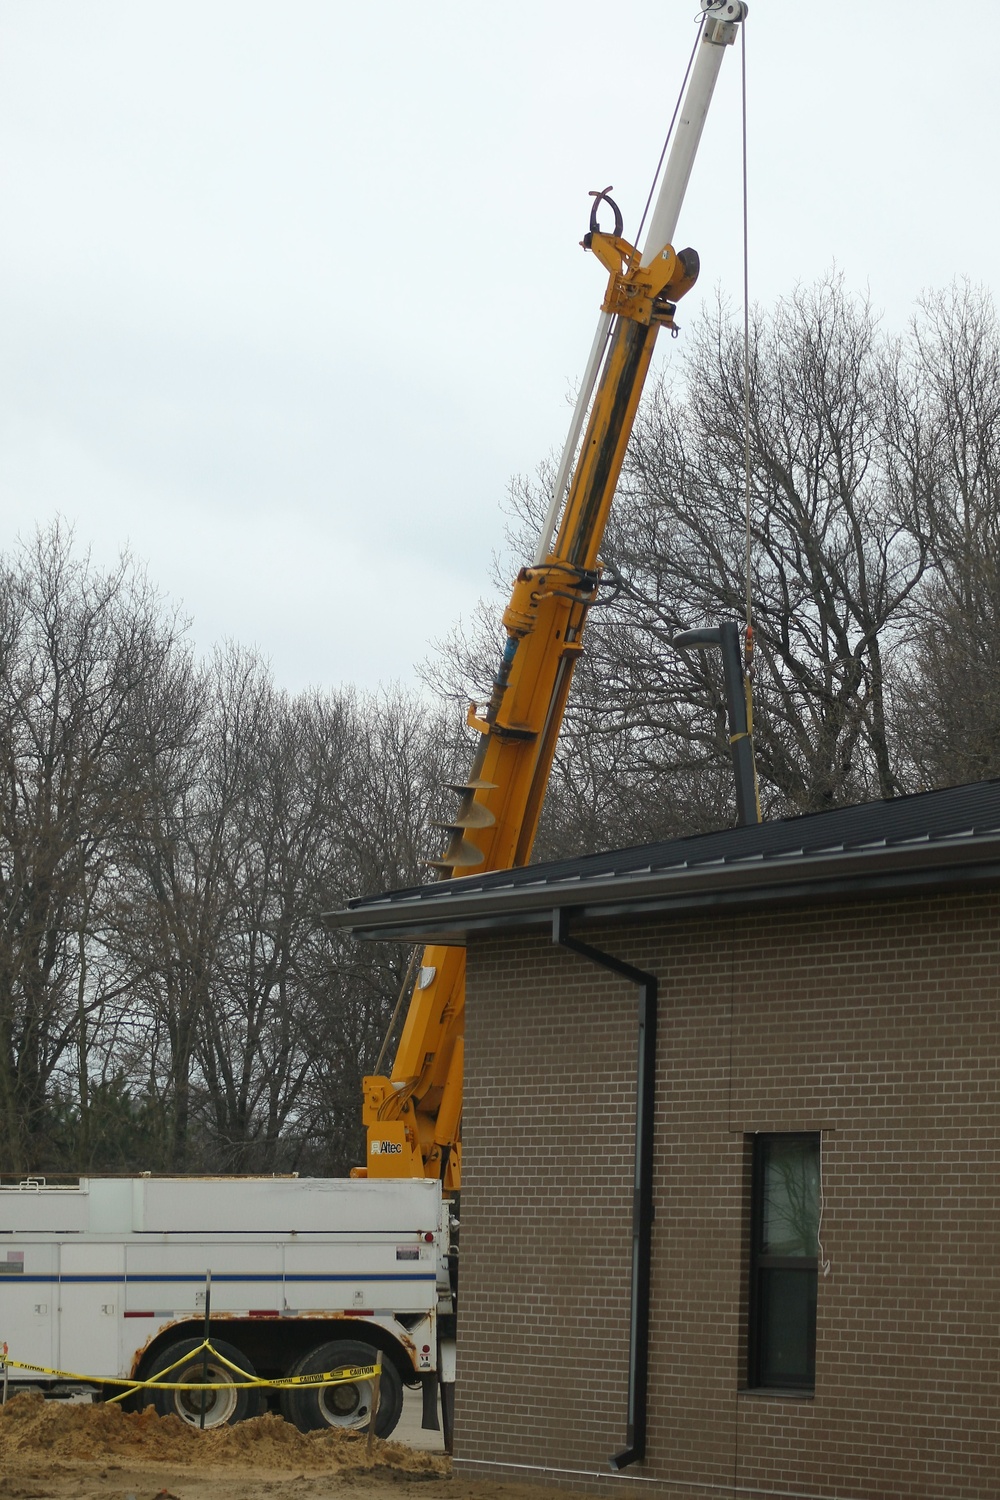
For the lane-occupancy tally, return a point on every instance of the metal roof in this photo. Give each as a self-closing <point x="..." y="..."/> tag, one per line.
<point x="926" y="840"/>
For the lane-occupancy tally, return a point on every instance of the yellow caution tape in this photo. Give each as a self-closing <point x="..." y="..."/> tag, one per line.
<point x="334" y="1377"/>
<point x="342" y="1376"/>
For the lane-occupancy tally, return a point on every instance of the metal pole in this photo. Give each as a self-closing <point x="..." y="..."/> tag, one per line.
<point x="204" y="1357"/>
<point x="376" y="1392"/>
<point x="727" y="638"/>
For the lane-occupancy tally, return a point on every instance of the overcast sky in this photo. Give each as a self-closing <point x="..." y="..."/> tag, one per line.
<point x="289" y="291"/>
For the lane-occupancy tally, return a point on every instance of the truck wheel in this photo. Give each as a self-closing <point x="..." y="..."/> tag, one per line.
<point x="348" y="1406"/>
<point x="232" y="1403"/>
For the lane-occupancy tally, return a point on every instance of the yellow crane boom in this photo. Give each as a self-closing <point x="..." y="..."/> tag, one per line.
<point x="413" y="1117"/>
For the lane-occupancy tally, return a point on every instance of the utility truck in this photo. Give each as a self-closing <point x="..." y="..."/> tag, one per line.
<point x="107" y="1278"/>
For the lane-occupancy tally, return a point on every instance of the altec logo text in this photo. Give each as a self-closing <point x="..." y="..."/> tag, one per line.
<point x="386" y="1148"/>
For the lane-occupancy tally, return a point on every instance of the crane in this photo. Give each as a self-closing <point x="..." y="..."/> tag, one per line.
<point x="413" y="1115"/>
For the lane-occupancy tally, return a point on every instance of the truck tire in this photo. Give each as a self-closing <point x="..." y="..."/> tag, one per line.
<point x="346" y="1406"/>
<point x="233" y="1403"/>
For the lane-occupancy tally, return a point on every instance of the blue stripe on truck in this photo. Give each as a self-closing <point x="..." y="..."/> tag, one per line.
<point x="235" y="1276"/>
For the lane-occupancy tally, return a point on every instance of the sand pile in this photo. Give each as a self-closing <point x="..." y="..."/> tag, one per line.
<point x="31" y="1427"/>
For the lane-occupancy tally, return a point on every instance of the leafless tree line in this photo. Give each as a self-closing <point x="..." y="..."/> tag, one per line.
<point x="171" y="833"/>
<point x="872" y="552"/>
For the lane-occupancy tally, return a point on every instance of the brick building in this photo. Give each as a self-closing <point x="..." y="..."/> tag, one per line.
<point x="819" y="1150"/>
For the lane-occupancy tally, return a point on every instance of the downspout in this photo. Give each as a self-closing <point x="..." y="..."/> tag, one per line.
<point x="642" y="1199"/>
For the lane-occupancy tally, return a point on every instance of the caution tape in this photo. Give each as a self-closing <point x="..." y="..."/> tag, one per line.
<point x="342" y="1376"/>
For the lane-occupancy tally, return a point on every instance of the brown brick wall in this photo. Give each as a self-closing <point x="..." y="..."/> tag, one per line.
<point x="546" y="1204"/>
<point x="876" y="1023"/>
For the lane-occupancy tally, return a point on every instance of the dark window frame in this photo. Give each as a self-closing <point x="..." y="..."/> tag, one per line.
<point x="761" y="1264"/>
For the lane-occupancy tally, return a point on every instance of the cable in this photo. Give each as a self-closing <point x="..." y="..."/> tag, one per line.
<point x="821" y="1260"/>
<point x="746" y="328"/>
<point x="670" y="131"/>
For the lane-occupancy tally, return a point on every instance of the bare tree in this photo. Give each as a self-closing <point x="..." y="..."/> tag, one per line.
<point x="265" y="1033"/>
<point x="174" y="924"/>
<point x="842" y="492"/>
<point x="77" y="648"/>
<point x="950" y="694"/>
<point x="400" y="756"/>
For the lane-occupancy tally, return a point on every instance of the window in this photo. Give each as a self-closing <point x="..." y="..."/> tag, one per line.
<point x="784" y="1252"/>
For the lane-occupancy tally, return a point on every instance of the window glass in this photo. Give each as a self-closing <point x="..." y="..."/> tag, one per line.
<point x="784" y="1243"/>
<point x="791" y="1196"/>
<point x="788" y="1322"/>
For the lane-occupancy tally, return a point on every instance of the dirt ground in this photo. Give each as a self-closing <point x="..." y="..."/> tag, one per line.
<point x="52" y="1450"/>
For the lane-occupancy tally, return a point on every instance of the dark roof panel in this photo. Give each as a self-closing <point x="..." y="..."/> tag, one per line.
<point x="969" y="811"/>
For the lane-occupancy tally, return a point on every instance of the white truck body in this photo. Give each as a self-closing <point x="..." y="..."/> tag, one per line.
<point x="95" y="1275"/>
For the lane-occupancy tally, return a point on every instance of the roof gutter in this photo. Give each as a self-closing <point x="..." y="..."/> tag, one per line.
<point x="446" y="915"/>
<point x="642" y="1196"/>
